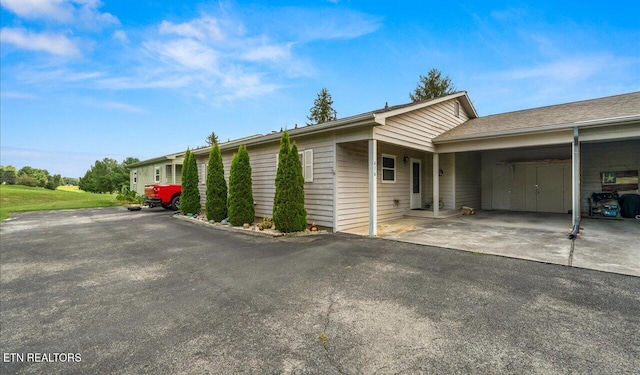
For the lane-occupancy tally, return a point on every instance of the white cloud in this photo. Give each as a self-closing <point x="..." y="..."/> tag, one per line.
<point x="268" y="53"/>
<point x="83" y="13"/>
<point x="38" y="75"/>
<point x="204" y="28"/>
<point x="16" y="95"/>
<point x="56" y="44"/>
<point x="307" y="25"/>
<point x="57" y="10"/>
<point x="186" y="53"/>
<point x="560" y="79"/>
<point x="123" y="107"/>
<point x="561" y="70"/>
<point x="217" y="57"/>
<point x="121" y="36"/>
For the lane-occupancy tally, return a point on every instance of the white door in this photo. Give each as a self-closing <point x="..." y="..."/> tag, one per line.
<point x="415" y="183"/>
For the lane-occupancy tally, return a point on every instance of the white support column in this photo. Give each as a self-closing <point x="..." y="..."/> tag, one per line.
<point x="373" y="188"/>
<point x="436" y="185"/>
<point x="173" y="173"/>
<point x="575" y="174"/>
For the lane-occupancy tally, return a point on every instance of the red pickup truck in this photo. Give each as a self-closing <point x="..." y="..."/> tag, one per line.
<point x="167" y="196"/>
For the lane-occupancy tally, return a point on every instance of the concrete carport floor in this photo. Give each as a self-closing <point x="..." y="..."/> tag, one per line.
<point x="605" y="244"/>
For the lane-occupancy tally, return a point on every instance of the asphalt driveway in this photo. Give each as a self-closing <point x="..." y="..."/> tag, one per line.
<point x="141" y="292"/>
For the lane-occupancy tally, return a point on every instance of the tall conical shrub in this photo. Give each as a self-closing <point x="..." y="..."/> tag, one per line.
<point x="216" y="206"/>
<point x="241" y="208"/>
<point x="289" y="214"/>
<point x="190" y="197"/>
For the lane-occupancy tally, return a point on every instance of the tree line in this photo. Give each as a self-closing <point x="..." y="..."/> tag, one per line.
<point x="105" y="176"/>
<point x="34" y="177"/>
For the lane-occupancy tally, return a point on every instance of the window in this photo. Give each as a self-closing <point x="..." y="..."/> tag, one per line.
<point x="157" y="175"/>
<point x="204" y="173"/>
<point x="306" y="161"/>
<point x="388" y="169"/>
<point x="307" y="165"/>
<point x="135" y="177"/>
<point x="456" y="109"/>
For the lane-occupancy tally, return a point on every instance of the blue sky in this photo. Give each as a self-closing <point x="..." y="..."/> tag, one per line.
<point x="83" y="79"/>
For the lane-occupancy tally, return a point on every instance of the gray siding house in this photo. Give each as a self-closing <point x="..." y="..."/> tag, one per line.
<point x="430" y="158"/>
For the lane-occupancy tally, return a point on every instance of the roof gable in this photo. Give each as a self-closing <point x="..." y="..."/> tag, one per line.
<point x="382" y="114"/>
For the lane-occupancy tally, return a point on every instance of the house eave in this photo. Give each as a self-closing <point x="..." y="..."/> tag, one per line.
<point x="366" y="119"/>
<point x="154" y="160"/>
<point x="612" y="121"/>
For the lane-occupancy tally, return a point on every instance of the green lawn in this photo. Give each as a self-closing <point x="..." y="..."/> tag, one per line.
<point x="15" y="198"/>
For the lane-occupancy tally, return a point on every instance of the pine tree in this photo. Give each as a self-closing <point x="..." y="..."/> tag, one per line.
<point x="212" y="139"/>
<point x="241" y="208"/>
<point x="190" y="197"/>
<point x="289" y="214"/>
<point x="216" y="206"/>
<point x="322" y="110"/>
<point x="432" y="86"/>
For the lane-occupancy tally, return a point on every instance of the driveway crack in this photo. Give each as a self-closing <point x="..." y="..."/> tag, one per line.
<point x="573" y="244"/>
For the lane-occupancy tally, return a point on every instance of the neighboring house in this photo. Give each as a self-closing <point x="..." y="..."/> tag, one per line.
<point x="161" y="170"/>
<point x="381" y="165"/>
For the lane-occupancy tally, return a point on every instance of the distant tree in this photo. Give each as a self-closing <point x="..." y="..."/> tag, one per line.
<point x="57" y="180"/>
<point x="240" y="205"/>
<point x="212" y="139"/>
<point x="322" y="110"/>
<point x="432" y="86"/>
<point x="1" y="174"/>
<point x="9" y="176"/>
<point x="27" y="180"/>
<point x="105" y="176"/>
<point x="289" y="214"/>
<point x="70" y="181"/>
<point x="130" y="160"/>
<point x="30" y="176"/>
<point x="190" y="197"/>
<point x="216" y="205"/>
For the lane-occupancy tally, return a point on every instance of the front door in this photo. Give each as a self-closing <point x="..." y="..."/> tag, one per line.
<point x="415" y="182"/>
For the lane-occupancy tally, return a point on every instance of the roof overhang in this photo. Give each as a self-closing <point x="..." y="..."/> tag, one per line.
<point x="365" y="119"/>
<point x="613" y="121"/>
<point x="611" y="129"/>
<point x="159" y="159"/>
<point x="381" y="117"/>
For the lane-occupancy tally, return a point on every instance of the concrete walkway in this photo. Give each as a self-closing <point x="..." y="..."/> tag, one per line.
<point x="604" y="245"/>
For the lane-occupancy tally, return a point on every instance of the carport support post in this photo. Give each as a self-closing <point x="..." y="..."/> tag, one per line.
<point x="373" y="188"/>
<point x="173" y="173"/>
<point x="436" y="185"/>
<point x="575" y="174"/>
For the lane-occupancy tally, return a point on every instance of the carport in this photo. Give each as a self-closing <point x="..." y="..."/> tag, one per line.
<point x="550" y="159"/>
<point x="604" y="245"/>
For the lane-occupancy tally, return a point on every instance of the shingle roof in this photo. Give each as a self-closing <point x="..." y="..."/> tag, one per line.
<point x="547" y="117"/>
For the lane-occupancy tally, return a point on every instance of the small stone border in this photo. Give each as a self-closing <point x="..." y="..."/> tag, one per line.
<point x="252" y="230"/>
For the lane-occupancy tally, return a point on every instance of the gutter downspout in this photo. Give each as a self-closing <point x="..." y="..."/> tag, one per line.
<point x="575" y="171"/>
